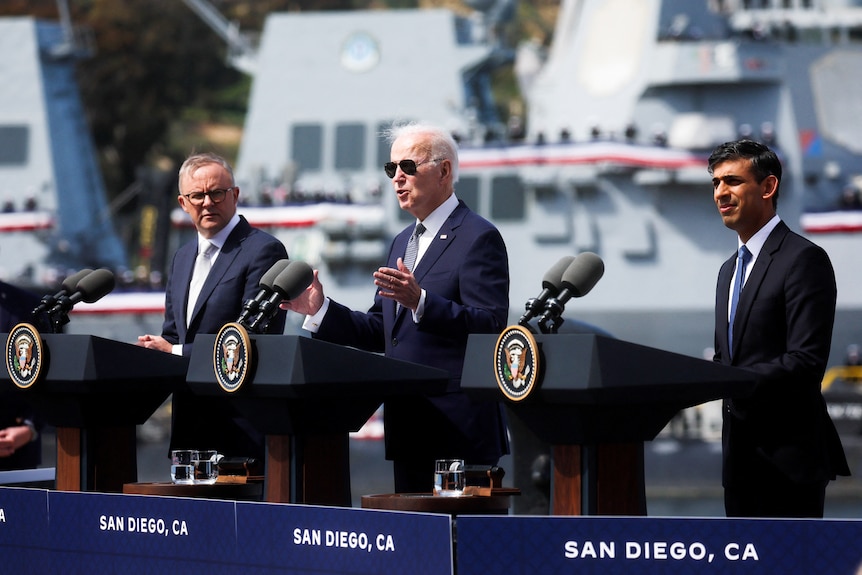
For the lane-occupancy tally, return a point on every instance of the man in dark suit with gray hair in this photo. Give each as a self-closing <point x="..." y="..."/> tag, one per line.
<point x="425" y="309"/>
<point x="210" y="278"/>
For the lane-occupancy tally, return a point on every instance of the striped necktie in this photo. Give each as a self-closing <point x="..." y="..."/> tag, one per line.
<point x="411" y="252"/>
<point x="413" y="246"/>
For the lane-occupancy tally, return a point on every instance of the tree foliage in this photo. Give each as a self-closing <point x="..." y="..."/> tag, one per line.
<point x="158" y="73"/>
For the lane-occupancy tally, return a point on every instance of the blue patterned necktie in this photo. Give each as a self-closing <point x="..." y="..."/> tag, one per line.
<point x="741" y="263"/>
<point x="413" y="247"/>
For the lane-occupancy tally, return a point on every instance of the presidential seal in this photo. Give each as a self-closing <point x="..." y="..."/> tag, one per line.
<point x="231" y="356"/>
<point x="24" y="355"/>
<point x="516" y="362"/>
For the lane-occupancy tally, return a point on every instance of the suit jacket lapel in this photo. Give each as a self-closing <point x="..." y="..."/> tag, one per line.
<point x="755" y="280"/>
<point x="228" y="253"/>
<point x="438" y="246"/>
<point x="722" y="303"/>
<point x="441" y="242"/>
<point x="183" y="272"/>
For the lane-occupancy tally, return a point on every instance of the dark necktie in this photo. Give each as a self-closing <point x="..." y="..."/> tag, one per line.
<point x="741" y="263"/>
<point x="413" y="247"/>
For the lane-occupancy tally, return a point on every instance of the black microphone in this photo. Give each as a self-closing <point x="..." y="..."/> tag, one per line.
<point x="577" y="281"/>
<point x="550" y="288"/>
<point x="251" y="306"/>
<point x="290" y="283"/>
<point x="93" y="287"/>
<point x="66" y="289"/>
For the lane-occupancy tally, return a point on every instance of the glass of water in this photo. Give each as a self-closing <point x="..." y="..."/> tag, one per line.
<point x="449" y="477"/>
<point x="205" y="463"/>
<point x="182" y="466"/>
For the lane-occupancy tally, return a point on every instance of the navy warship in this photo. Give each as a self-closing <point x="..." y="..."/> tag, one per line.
<point x="607" y="153"/>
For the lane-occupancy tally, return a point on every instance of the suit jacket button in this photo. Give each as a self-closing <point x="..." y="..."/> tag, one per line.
<point x="394" y="341"/>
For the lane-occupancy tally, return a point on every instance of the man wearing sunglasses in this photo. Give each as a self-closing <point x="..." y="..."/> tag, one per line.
<point x="210" y="278"/>
<point x="458" y="284"/>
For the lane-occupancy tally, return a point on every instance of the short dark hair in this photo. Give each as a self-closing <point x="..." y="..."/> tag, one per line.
<point x="764" y="162"/>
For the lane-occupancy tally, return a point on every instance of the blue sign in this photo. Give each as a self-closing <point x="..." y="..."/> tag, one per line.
<point x="68" y="532"/>
<point x="24" y="530"/>
<point x="607" y="545"/>
<point x="304" y="539"/>
<point x="102" y="533"/>
<point x="71" y="533"/>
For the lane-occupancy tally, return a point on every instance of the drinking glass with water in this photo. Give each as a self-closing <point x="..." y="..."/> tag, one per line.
<point x="449" y="477"/>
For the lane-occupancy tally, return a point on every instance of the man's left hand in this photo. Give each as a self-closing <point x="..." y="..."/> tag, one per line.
<point x="398" y="284"/>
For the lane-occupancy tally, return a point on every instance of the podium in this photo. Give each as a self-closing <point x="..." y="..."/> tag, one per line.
<point x="306" y="395"/>
<point x="95" y="391"/>
<point x="596" y="401"/>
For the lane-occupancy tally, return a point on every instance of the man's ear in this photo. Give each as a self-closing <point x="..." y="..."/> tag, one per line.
<point x="446" y="168"/>
<point x="769" y="186"/>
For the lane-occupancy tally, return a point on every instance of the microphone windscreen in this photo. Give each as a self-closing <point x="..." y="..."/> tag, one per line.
<point x="268" y="278"/>
<point x="71" y="283"/>
<point x="554" y="275"/>
<point x="293" y="280"/>
<point x="96" y="285"/>
<point x="583" y="273"/>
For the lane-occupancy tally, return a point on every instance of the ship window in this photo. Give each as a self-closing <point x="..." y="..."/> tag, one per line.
<point x="467" y="189"/>
<point x="349" y="147"/>
<point x="307" y="146"/>
<point x="507" y="199"/>
<point x="14" y="145"/>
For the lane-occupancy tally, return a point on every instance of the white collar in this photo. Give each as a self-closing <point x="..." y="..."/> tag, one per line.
<point x="438" y="217"/>
<point x="220" y="238"/>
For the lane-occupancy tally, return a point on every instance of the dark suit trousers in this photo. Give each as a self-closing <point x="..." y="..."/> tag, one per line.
<point x="769" y="493"/>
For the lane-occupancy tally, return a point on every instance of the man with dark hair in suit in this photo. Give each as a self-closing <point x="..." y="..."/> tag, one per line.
<point x="237" y="256"/>
<point x="20" y="441"/>
<point x="775" y="306"/>
<point x="458" y="284"/>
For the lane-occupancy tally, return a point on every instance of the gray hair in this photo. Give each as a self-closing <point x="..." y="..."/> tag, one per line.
<point x="440" y="143"/>
<point x="196" y="161"/>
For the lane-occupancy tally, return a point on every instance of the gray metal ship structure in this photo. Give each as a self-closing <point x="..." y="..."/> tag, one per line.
<point x="607" y="156"/>
<point x="55" y="217"/>
<point x="607" y="153"/>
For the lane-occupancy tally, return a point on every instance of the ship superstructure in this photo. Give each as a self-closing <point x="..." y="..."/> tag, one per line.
<point x="621" y="113"/>
<point x="55" y="216"/>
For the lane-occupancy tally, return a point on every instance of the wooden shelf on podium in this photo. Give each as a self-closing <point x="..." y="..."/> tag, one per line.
<point x="232" y="491"/>
<point x="496" y="504"/>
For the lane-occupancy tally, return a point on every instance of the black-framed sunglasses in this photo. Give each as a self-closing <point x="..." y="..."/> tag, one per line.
<point x="217" y="196"/>
<point x="407" y="166"/>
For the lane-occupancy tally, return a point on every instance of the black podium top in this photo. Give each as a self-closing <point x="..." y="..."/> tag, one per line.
<point x="302" y="385"/>
<point x="92" y="381"/>
<point x="597" y="389"/>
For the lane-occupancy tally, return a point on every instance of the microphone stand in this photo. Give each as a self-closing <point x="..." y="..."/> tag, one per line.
<point x="555" y="317"/>
<point x="58" y="320"/>
<point x="554" y="326"/>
